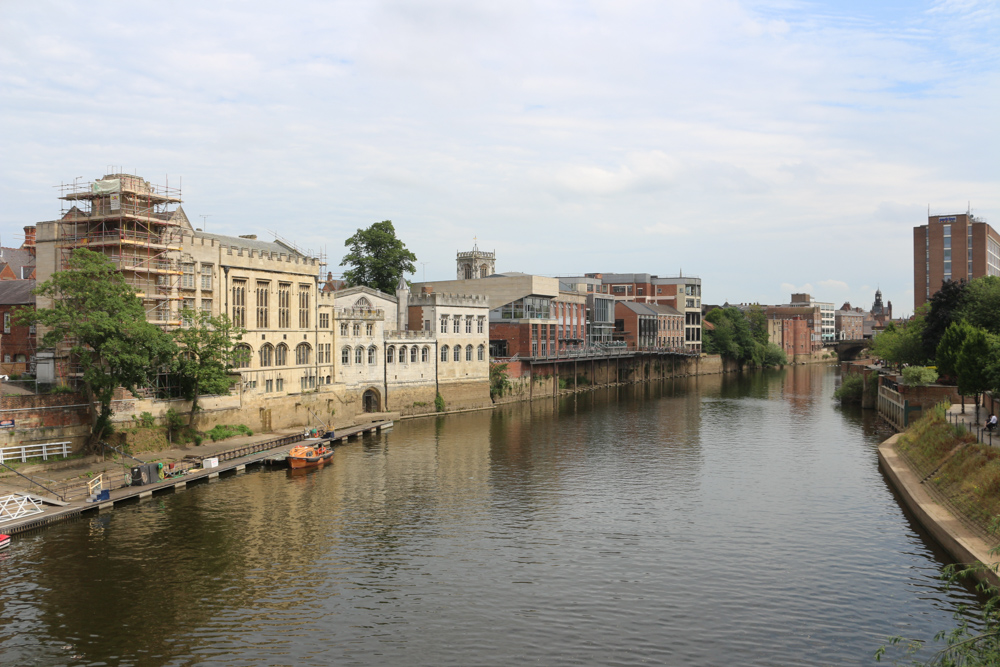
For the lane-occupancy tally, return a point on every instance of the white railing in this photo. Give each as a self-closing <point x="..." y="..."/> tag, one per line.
<point x="16" y="505"/>
<point x="24" y="452"/>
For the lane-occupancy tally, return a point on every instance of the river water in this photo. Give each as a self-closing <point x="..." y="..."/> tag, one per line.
<point x="704" y="521"/>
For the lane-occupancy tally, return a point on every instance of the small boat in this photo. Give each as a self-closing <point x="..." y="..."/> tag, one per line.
<point x="4" y="541"/>
<point x="308" y="456"/>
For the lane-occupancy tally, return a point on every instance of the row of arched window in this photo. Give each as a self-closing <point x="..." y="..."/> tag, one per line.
<point x="456" y="353"/>
<point x="270" y="355"/>
<point x="413" y="352"/>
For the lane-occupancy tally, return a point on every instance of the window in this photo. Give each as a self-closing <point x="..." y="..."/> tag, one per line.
<point x="480" y="324"/>
<point x="302" y="353"/>
<point x="369" y="329"/>
<point x="303" y="306"/>
<point x="263" y="291"/>
<point x="268" y="386"/>
<point x="458" y="353"/>
<point x="239" y="301"/>
<point x="6" y="323"/>
<point x="345" y="356"/>
<point x="402" y="355"/>
<point x="359" y="355"/>
<point x="206" y="305"/>
<point x="390" y="354"/>
<point x="206" y="277"/>
<point x="187" y="277"/>
<point x="425" y="354"/>
<point x="284" y="305"/>
<point x="281" y="355"/>
<point x="468" y="353"/>
<point x="456" y="323"/>
<point x="343" y="328"/>
<point x="413" y="354"/>
<point x="372" y="355"/>
<point x="324" y="320"/>
<point x="357" y="329"/>
<point x="444" y="353"/>
<point x="329" y="352"/>
<point x="187" y="305"/>
<point x="444" y="324"/>
<point x="468" y="324"/>
<point x="618" y="289"/>
<point x="266" y="355"/>
<point x="481" y="353"/>
<point x="279" y="384"/>
<point x="241" y="356"/>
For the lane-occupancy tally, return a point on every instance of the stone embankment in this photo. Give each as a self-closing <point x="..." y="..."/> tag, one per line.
<point x="959" y="538"/>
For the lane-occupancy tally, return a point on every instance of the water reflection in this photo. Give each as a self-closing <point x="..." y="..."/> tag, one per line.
<point x="698" y="520"/>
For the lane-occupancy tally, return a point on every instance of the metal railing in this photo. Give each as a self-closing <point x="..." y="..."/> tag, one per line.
<point x="24" y="452"/>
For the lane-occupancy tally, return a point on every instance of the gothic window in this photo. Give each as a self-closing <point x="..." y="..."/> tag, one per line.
<point x="343" y="328"/>
<point x="363" y="303"/>
<point x="240" y="303"/>
<point x="482" y="271"/>
<point x="468" y="324"/>
<point x="372" y="355"/>
<point x="481" y="353"/>
<point x="444" y="353"/>
<point x="284" y="305"/>
<point x="413" y="354"/>
<point x="345" y="356"/>
<point x="359" y="355"/>
<point x="458" y="353"/>
<point x="263" y="292"/>
<point x="480" y="324"/>
<point x="444" y="324"/>
<point x="303" y="306"/>
<point x="357" y="329"/>
<point x="425" y="354"/>
<point x="390" y="354"/>
<point x="456" y="324"/>
<point x="468" y="353"/>
<point x="468" y="271"/>
<point x="402" y="355"/>
<point x="281" y="355"/>
<point x="241" y="356"/>
<point x="302" y="353"/>
<point x="266" y="355"/>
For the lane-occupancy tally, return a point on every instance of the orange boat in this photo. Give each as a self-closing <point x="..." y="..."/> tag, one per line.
<point x="308" y="456"/>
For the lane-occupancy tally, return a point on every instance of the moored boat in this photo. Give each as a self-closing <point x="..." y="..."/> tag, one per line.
<point x="308" y="456"/>
<point x="4" y="541"/>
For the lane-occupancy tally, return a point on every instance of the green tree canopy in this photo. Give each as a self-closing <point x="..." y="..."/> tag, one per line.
<point x="741" y="337"/>
<point x="942" y="310"/>
<point x="206" y="355"/>
<point x="901" y="344"/>
<point x="980" y="305"/>
<point x="102" y="319"/>
<point x="949" y="347"/>
<point x="377" y="258"/>
<point x="972" y="365"/>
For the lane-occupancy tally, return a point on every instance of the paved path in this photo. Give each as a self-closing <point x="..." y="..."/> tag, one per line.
<point x="956" y="416"/>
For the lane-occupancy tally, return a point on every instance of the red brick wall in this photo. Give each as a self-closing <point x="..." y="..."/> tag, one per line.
<point x="44" y="411"/>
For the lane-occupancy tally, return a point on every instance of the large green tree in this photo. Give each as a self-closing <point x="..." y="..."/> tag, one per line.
<point x="901" y="343"/>
<point x="377" y="258"/>
<point x="741" y="337"/>
<point x="950" y="346"/>
<point x="206" y="355"/>
<point x="99" y="315"/>
<point x="981" y="304"/>
<point x="972" y="365"/>
<point x="941" y="311"/>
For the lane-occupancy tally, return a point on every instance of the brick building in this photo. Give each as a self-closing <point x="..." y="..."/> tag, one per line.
<point x="17" y="342"/>
<point x="952" y="247"/>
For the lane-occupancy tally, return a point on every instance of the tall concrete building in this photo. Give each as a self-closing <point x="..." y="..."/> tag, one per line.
<point x="952" y="247"/>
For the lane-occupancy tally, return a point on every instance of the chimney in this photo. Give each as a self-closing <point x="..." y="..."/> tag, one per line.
<point x="29" y="239"/>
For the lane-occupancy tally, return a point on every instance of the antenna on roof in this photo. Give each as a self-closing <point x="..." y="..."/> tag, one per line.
<point x="204" y="221"/>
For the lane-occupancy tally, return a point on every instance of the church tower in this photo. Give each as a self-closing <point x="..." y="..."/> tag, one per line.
<point x="476" y="263"/>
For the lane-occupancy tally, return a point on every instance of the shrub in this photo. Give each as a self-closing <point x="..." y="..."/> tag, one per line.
<point x="223" y="431"/>
<point x="851" y="389"/>
<point x="146" y="419"/>
<point x="918" y="376"/>
<point x="439" y="403"/>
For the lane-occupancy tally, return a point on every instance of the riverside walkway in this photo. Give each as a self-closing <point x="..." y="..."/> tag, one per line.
<point x="183" y="466"/>
<point x="968" y="419"/>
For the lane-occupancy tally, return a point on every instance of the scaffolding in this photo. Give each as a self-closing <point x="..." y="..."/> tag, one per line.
<point x="131" y="222"/>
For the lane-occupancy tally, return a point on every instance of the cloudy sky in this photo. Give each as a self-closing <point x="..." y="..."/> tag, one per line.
<point x="763" y="146"/>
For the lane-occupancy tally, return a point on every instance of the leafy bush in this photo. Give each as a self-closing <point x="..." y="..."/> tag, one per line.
<point x="59" y="389"/>
<point x="439" y="403"/>
<point x="851" y="389"/>
<point x="224" y="431"/>
<point x="146" y="419"/>
<point x="918" y="376"/>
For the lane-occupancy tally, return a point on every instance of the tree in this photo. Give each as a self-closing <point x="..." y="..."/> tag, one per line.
<point x="972" y="366"/>
<point x="941" y="311"/>
<point x="102" y="319"/>
<point x="949" y="346"/>
<point x="733" y="337"/>
<point x="981" y="304"/>
<point x="901" y="344"/>
<point x="206" y="355"/>
<point x="377" y="258"/>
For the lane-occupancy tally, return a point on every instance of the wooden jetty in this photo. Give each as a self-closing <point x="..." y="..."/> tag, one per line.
<point x="190" y="470"/>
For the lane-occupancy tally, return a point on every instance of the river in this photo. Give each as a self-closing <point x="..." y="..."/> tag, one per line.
<point x="703" y="521"/>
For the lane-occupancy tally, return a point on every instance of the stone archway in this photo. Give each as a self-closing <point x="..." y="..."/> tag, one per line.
<point x="371" y="401"/>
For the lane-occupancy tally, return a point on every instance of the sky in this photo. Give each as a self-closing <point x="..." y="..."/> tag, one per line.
<point x="766" y="147"/>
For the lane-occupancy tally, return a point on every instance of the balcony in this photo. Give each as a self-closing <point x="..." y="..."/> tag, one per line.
<point x="368" y="314"/>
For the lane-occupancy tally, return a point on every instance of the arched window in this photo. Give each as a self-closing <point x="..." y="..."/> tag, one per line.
<point x="482" y="271"/>
<point x="266" y="355"/>
<point x="425" y="354"/>
<point x="481" y="353"/>
<point x="357" y="329"/>
<point x="458" y="353"/>
<point x="345" y="356"/>
<point x="402" y="355"/>
<point x="242" y="355"/>
<point x="359" y="355"/>
<point x="302" y="353"/>
<point x="373" y="355"/>
<point x="390" y="354"/>
<point x="468" y="353"/>
<point x="363" y="303"/>
<point x="413" y="354"/>
<point x="468" y="271"/>
<point x="281" y="355"/>
<point x="444" y="353"/>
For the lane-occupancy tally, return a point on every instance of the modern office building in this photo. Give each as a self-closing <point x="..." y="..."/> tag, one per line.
<point x="952" y="247"/>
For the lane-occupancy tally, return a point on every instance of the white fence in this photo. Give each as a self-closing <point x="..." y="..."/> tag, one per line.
<point x="24" y="452"/>
<point x="17" y="505"/>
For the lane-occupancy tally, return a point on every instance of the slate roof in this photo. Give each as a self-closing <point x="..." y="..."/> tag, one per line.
<point x="16" y="292"/>
<point x="252" y="244"/>
<point x="15" y="258"/>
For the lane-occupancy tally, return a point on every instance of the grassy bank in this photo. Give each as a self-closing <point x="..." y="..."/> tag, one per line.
<point x="962" y="471"/>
